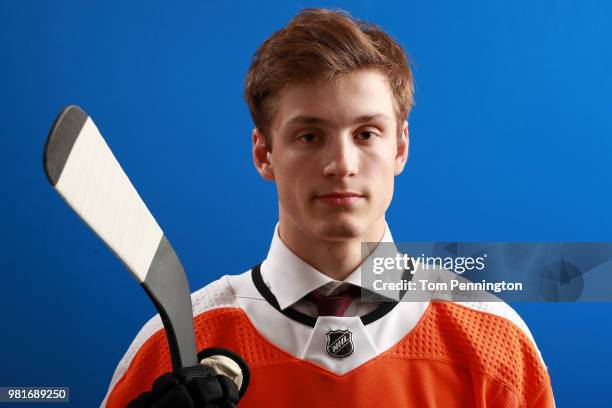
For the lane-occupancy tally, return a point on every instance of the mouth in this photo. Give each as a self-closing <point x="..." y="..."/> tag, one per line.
<point x="339" y="198"/>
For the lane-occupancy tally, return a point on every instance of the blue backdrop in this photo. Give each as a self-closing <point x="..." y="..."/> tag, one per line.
<point x="510" y="140"/>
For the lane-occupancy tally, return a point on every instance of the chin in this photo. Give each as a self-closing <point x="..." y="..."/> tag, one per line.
<point x="339" y="230"/>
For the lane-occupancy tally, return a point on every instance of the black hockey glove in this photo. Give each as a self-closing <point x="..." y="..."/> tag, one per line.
<point x="199" y="386"/>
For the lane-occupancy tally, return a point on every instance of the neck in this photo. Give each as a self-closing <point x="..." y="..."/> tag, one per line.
<point x="334" y="257"/>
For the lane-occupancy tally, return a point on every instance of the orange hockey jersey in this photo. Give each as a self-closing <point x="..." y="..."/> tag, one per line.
<point x="409" y="354"/>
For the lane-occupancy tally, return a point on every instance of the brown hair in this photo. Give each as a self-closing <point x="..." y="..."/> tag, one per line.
<point x="320" y="44"/>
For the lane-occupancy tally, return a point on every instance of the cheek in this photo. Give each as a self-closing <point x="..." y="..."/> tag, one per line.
<point x="295" y="170"/>
<point x="381" y="165"/>
<point x="291" y="181"/>
<point x="380" y="170"/>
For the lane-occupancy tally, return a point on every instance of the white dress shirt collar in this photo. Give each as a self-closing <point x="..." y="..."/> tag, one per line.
<point x="290" y="278"/>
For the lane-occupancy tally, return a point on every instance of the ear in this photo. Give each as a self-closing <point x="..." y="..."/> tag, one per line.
<point x="403" y="144"/>
<point x="262" y="157"/>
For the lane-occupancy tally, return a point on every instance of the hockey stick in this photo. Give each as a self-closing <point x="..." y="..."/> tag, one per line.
<point x="84" y="171"/>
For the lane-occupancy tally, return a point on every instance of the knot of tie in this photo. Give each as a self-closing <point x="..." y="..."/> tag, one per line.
<point x="334" y="305"/>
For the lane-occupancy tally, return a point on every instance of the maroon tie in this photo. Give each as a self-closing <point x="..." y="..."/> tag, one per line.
<point x="334" y="305"/>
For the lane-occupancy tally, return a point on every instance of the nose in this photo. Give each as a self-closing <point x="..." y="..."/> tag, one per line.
<point x="341" y="158"/>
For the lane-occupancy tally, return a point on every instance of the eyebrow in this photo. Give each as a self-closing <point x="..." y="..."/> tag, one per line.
<point x="314" y="120"/>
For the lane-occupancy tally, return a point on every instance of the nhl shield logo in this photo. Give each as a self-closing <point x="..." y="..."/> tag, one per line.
<point x="339" y="343"/>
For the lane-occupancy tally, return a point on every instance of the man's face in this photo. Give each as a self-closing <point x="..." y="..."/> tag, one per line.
<point x="335" y="153"/>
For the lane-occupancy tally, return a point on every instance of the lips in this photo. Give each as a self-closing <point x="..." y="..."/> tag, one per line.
<point x="339" y="198"/>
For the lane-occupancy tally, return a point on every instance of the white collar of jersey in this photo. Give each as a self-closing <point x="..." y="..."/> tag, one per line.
<point x="290" y="278"/>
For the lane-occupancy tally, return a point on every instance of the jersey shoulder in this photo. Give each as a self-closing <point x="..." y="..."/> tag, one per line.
<point x="484" y="337"/>
<point x="148" y="354"/>
<point x="479" y="308"/>
<point x="216" y="295"/>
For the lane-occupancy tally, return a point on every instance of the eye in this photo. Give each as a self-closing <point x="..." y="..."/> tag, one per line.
<point x="308" y="137"/>
<point x="366" y="135"/>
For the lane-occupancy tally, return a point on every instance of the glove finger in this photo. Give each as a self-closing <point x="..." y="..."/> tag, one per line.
<point x="161" y="386"/>
<point x="164" y="384"/>
<point x="205" y="390"/>
<point x="230" y="390"/>
<point x="143" y="401"/>
<point x="177" y="397"/>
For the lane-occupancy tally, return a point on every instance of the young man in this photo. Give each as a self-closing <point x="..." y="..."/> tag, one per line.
<point x="330" y="97"/>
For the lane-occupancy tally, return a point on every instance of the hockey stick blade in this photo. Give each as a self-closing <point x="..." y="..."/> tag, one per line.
<point x="84" y="171"/>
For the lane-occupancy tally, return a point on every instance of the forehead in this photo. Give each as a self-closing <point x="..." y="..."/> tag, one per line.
<point x="341" y="101"/>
